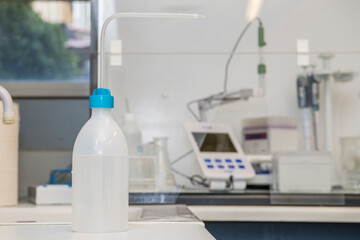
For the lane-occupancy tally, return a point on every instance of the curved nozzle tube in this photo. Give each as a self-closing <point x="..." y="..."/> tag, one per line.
<point x="8" y="115"/>
<point x="101" y="75"/>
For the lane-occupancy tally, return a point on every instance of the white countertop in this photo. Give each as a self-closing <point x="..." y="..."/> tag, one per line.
<point x="150" y="222"/>
<point x="136" y="231"/>
<point x="159" y="221"/>
<point x="277" y="214"/>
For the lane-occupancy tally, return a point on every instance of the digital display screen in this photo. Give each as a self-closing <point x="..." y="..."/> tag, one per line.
<point x="214" y="142"/>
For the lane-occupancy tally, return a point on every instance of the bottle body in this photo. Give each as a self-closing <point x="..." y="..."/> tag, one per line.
<point x="100" y="176"/>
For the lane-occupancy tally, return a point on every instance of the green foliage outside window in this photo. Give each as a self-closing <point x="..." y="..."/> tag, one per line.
<point x="31" y="48"/>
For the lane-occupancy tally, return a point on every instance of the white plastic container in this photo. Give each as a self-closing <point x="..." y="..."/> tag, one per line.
<point x="165" y="178"/>
<point x="9" y="158"/>
<point x="132" y="134"/>
<point x="133" y="138"/>
<point x="100" y="171"/>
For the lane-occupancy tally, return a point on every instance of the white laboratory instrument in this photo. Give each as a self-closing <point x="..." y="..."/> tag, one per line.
<point x="220" y="157"/>
<point x="302" y="172"/>
<point x="262" y="165"/>
<point x="50" y="194"/>
<point x="264" y="136"/>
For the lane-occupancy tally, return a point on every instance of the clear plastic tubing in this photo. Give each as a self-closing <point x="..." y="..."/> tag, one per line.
<point x="100" y="171"/>
<point x="101" y="75"/>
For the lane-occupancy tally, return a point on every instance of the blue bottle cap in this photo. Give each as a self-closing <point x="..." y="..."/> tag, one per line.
<point x="101" y="98"/>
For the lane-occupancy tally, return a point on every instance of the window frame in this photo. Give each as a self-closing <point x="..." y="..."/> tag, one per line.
<point x="47" y="89"/>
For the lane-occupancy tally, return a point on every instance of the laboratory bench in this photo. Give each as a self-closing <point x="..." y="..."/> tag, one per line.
<point x="261" y="206"/>
<point x="258" y="214"/>
<point x="225" y="221"/>
<point x="28" y="221"/>
<point x="246" y="198"/>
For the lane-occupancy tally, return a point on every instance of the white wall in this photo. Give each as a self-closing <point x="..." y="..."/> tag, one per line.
<point x="186" y="58"/>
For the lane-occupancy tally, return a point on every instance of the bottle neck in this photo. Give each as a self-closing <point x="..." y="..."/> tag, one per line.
<point x="100" y="111"/>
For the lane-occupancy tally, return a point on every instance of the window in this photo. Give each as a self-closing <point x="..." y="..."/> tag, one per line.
<point x="45" y="47"/>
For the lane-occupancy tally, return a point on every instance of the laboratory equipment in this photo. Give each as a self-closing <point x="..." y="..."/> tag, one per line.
<point x="152" y="170"/>
<point x="302" y="172"/>
<point x="219" y="155"/>
<point x="55" y="192"/>
<point x="100" y="156"/>
<point x="9" y="148"/>
<point x="326" y="77"/>
<point x="143" y="173"/>
<point x="308" y="94"/>
<point x="164" y="177"/>
<point x="350" y="147"/>
<point x="142" y="168"/>
<point x="264" y="136"/>
<point x="315" y="93"/>
<point x="224" y="97"/>
<point x="133" y="138"/>
<point x="315" y="99"/>
<point x="101" y="72"/>
<point x="318" y="119"/>
<point x="100" y="171"/>
<point x="50" y="194"/>
<point x="262" y="165"/>
<point x="132" y="134"/>
<point x="61" y="176"/>
<point x="307" y="91"/>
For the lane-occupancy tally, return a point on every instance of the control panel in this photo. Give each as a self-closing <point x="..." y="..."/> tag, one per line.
<point x="218" y="153"/>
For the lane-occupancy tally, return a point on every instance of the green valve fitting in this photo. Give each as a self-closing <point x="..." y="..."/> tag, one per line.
<point x="261" y="36"/>
<point x="261" y="68"/>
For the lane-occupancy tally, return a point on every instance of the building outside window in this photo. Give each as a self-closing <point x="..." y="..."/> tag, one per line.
<point x="45" y="48"/>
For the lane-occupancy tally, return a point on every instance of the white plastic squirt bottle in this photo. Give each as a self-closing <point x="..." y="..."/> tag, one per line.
<point x="100" y="171"/>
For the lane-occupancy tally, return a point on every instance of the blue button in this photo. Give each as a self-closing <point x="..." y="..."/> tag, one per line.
<point x="221" y="166"/>
<point x="231" y="166"/>
<point x="238" y="160"/>
<point x="241" y="166"/>
<point x="207" y="160"/>
<point x="228" y="160"/>
<point x="217" y="160"/>
<point x="210" y="166"/>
